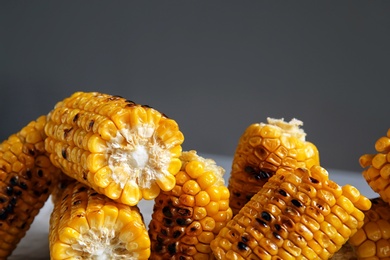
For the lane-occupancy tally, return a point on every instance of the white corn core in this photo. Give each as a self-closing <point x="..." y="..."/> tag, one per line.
<point x="136" y="156"/>
<point x="102" y="244"/>
<point x="292" y="128"/>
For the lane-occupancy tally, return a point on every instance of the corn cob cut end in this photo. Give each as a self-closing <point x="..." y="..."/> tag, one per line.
<point x="121" y="149"/>
<point x="88" y="225"/>
<point x="262" y="149"/>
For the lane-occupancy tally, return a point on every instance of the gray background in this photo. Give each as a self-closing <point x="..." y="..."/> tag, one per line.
<point x="214" y="66"/>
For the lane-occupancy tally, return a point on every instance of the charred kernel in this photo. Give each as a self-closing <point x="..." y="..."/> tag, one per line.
<point x="176" y="234"/>
<point x="40" y="173"/>
<point x="63" y="152"/>
<point x="23" y="185"/>
<point x="3" y="214"/>
<point x="266" y="216"/>
<point x="277" y="227"/>
<point x="13" y="200"/>
<point x="265" y="175"/>
<point x="167" y="212"/>
<point x="276" y="235"/>
<point x="167" y="222"/>
<point x="313" y="180"/>
<point x="283" y="193"/>
<point x="296" y="203"/>
<point x="9" y="190"/>
<point x="14" y="180"/>
<point x="81" y="189"/>
<point x="261" y="222"/>
<point x="182" y="221"/>
<point x="76" y="117"/>
<point x="2" y="199"/>
<point x="77" y="202"/>
<point x="249" y="169"/>
<point x="28" y="174"/>
<point x="90" y="125"/>
<point x="17" y="192"/>
<point x="172" y="248"/>
<point x="184" y="212"/>
<point x="242" y="246"/>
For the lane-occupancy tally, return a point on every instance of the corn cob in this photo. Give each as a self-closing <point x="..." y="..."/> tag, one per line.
<point x="372" y="241"/>
<point x="186" y="219"/>
<point x="27" y="180"/>
<point x="121" y="149"/>
<point x="297" y="214"/>
<point x="261" y="151"/>
<point x="87" y="225"/>
<point x="377" y="167"/>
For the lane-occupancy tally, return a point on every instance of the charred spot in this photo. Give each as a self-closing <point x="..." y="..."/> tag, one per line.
<point x="23" y="185"/>
<point x="167" y="222"/>
<point x="244" y="239"/>
<point x="37" y="193"/>
<point x="76" y="117"/>
<point x="23" y="226"/>
<point x="237" y="194"/>
<point x="3" y="199"/>
<point x="164" y="115"/>
<point x="158" y="247"/>
<point x="248" y="196"/>
<point x="314" y="180"/>
<point x="10" y="208"/>
<point x="81" y="189"/>
<point x="63" y="153"/>
<point x="164" y="232"/>
<point x="287" y="222"/>
<point x="172" y="248"/>
<point x="90" y="125"/>
<point x="182" y="221"/>
<point x="9" y="190"/>
<point x="167" y="212"/>
<point x="146" y="106"/>
<point x="67" y="131"/>
<point x="3" y="214"/>
<point x="296" y="203"/>
<point x="17" y="192"/>
<point x="242" y="246"/>
<point x="264" y="174"/>
<point x="276" y="235"/>
<point x="176" y="234"/>
<point x="77" y="202"/>
<point x="28" y="174"/>
<point x="266" y="216"/>
<point x="283" y="193"/>
<point x="40" y="173"/>
<point x="250" y="170"/>
<point x="31" y="152"/>
<point x="14" y="180"/>
<point x="94" y="193"/>
<point x="65" y="197"/>
<point x="261" y="222"/>
<point x="13" y="200"/>
<point x="184" y="212"/>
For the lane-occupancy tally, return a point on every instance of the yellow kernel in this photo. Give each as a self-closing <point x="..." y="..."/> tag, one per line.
<point x="131" y="193"/>
<point x="214" y="193"/>
<point x="206" y="180"/>
<point x="174" y="166"/>
<point x="199" y="212"/>
<point x="373" y="231"/>
<point x="191" y="187"/>
<point x="194" y="169"/>
<point x="206" y="237"/>
<point x="207" y="223"/>
<point x="182" y="177"/>
<point x="166" y="182"/>
<point x="202" y="198"/>
<point x="224" y="192"/>
<point x="187" y="200"/>
<point x="223" y="204"/>
<point x="367" y="249"/>
<point x="212" y="208"/>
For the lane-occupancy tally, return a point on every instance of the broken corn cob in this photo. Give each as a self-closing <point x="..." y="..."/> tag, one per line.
<point x="27" y="179"/>
<point x="88" y="225"/>
<point x="121" y="149"/>
<point x="297" y="214"/>
<point x="186" y="219"/>
<point x="377" y="167"/>
<point x="262" y="150"/>
<point x="372" y="241"/>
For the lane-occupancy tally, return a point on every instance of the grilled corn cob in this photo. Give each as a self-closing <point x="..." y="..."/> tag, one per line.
<point x="186" y="219"/>
<point x="372" y="241"/>
<point x="263" y="149"/>
<point x="297" y="214"/>
<point x="88" y="225"/>
<point x="377" y="167"/>
<point x="27" y="180"/>
<point x="122" y="150"/>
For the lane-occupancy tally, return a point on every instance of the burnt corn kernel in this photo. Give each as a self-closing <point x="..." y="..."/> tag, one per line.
<point x="187" y="226"/>
<point x="26" y="169"/>
<point x="264" y="148"/>
<point x="277" y="224"/>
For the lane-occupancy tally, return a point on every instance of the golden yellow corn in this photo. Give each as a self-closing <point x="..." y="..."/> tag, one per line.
<point x="377" y="167"/>
<point x="186" y="219"/>
<point x="121" y="149"/>
<point x="261" y="151"/>
<point x="87" y="225"/>
<point x="372" y="241"/>
<point x="27" y="179"/>
<point x="297" y="214"/>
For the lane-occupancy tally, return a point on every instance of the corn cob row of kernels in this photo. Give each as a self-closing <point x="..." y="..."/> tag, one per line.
<point x="263" y="149"/>
<point x="121" y="149"/>
<point x="297" y="214"/>
<point x="27" y="179"/>
<point x="186" y="219"/>
<point x="87" y="225"/>
<point x="377" y="167"/>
